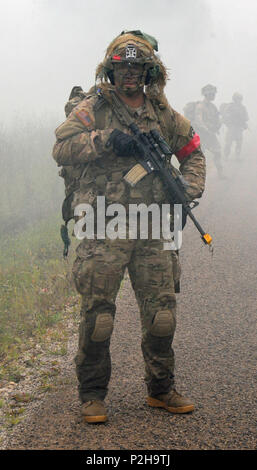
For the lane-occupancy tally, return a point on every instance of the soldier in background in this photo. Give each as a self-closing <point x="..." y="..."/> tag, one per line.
<point x="207" y="123"/>
<point x="234" y="116"/>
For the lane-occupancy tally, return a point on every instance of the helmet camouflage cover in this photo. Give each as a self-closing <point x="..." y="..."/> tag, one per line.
<point x="237" y="96"/>
<point x="134" y="47"/>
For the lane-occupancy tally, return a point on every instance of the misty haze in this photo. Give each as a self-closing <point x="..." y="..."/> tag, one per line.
<point x="47" y="48"/>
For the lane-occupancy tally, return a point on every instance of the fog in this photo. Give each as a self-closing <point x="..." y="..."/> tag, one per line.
<point x="47" y="46"/>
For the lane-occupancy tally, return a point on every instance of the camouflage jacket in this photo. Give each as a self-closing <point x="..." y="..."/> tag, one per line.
<point x="207" y="117"/>
<point x="81" y="144"/>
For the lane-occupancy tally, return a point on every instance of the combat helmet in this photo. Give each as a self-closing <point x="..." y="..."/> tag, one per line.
<point x="208" y="89"/>
<point x="134" y="47"/>
<point x="237" y="97"/>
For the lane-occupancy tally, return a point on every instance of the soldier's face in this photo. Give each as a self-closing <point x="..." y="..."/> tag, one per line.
<point x="128" y="77"/>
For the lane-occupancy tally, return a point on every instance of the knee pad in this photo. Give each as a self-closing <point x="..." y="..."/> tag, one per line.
<point x="103" y="327"/>
<point x="163" y="324"/>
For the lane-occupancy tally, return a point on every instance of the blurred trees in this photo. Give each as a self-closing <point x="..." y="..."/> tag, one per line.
<point x="31" y="188"/>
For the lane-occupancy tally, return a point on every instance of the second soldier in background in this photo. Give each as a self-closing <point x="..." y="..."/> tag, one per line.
<point x="234" y="116"/>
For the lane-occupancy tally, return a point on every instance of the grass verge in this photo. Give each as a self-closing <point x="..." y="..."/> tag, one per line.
<point x="35" y="285"/>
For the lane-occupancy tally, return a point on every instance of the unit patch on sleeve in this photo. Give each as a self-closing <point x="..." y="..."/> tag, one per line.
<point x="84" y="117"/>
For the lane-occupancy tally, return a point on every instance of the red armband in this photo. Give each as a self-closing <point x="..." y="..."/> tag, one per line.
<point x="188" y="148"/>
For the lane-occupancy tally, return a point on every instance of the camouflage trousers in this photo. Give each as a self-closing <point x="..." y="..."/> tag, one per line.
<point x="233" y="135"/>
<point x="98" y="271"/>
<point x="212" y="144"/>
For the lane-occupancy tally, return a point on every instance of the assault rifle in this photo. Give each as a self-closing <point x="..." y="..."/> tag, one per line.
<point x="155" y="150"/>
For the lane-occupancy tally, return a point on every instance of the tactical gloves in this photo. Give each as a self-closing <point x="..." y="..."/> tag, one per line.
<point x="123" y="144"/>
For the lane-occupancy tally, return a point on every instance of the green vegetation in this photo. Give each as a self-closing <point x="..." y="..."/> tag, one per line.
<point x="35" y="284"/>
<point x="35" y="281"/>
<point x="37" y="297"/>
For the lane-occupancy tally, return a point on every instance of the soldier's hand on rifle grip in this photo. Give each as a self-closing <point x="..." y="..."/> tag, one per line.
<point x="123" y="144"/>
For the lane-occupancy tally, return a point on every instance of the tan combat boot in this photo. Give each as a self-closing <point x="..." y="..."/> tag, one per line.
<point x="172" y="401"/>
<point x="94" y="411"/>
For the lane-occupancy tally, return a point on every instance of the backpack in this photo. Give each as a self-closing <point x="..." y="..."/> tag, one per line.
<point x="189" y="110"/>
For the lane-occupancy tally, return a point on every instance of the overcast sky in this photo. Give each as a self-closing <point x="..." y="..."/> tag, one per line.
<point x="48" y="46"/>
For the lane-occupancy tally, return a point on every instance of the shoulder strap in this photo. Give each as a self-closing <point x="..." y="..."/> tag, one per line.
<point x="100" y="110"/>
<point x="166" y="119"/>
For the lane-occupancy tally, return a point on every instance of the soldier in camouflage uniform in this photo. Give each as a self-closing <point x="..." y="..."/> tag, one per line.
<point x="235" y="117"/>
<point x="94" y="140"/>
<point x="207" y="122"/>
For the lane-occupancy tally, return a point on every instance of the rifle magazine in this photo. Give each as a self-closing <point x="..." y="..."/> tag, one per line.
<point x="135" y="174"/>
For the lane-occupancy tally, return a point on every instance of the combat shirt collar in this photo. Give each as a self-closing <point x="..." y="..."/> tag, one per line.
<point x="145" y="111"/>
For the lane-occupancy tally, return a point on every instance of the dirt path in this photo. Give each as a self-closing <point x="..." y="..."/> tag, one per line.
<point x="215" y="346"/>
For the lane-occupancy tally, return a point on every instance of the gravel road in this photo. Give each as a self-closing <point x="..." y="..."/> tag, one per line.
<point x="215" y="346"/>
